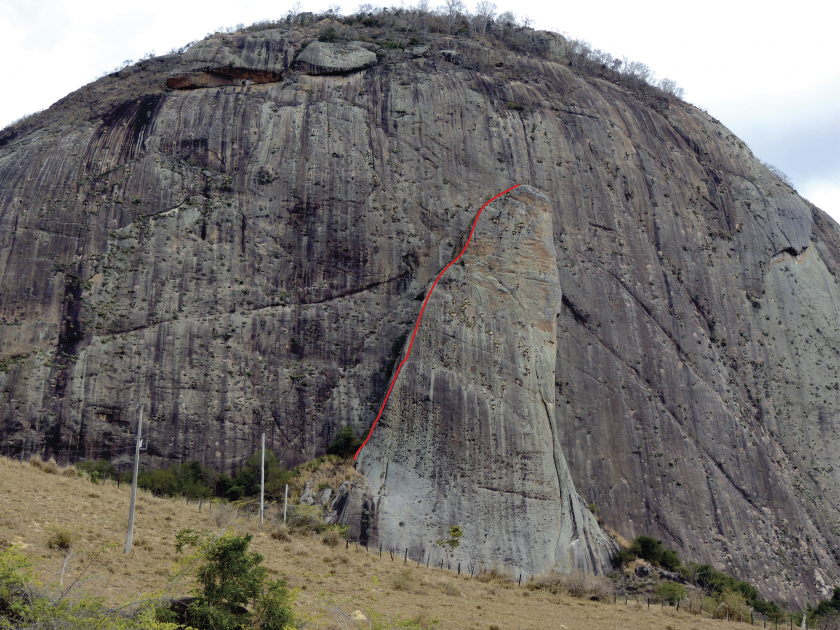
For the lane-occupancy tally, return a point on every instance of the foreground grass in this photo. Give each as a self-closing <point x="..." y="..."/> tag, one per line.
<point x="36" y="505"/>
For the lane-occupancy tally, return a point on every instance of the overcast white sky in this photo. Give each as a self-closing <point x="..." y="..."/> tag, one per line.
<point x="769" y="70"/>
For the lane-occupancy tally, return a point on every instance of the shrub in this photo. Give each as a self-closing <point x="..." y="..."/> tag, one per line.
<point x="346" y="444"/>
<point x="331" y="538"/>
<point x="404" y="581"/>
<point x="248" y="477"/>
<point x="234" y="591"/>
<point x="50" y="467"/>
<point x="22" y="606"/>
<point x="306" y="518"/>
<point x="450" y="589"/>
<point x="669" y="560"/>
<point x="828" y="607"/>
<point x="328" y="35"/>
<point x="575" y="583"/>
<point x="733" y="603"/>
<point x="647" y="548"/>
<point x="623" y="557"/>
<point x="60" y="538"/>
<point x="281" y="533"/>
<point x="98" y="470"/>
<point x="671" y="592"/>
<point x="496" y="576"/>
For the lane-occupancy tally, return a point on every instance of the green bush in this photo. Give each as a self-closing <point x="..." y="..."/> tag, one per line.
<point x="650" y="549"/>
<point x="346" y="444"/>
<point x="233" y="592"/>
<point x="248" y="477"/>
<point x="306" y="518"/>
<point x="827" y="607"/>
<point x="189" y="479"/>
<point x="671" y="592"/>
<point x="669" y="560"/>
<point x="98" y="470"/>
<point x="623" y="557"/>
<point x="328" y="35"/>
<point x="719" y="583"/>
<point x="647" y="548"/>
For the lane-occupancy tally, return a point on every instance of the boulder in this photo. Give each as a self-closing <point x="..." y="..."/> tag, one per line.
<point x="672" y="576"/>
<point x="324" y="499"/>
<point x="417" y="51"/>
<point x="307" y="497"/>
<point x="451" y="56"/>
<point x="240" y="59"/>
<point x="367" y="45"/>
<point x="328" y="58"/>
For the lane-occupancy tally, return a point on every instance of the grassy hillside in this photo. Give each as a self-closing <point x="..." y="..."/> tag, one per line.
<point x="35" y="504"/>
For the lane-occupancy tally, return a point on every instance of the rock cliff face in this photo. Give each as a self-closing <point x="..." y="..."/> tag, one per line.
<point x="470" y="435"/>
<point x="246" y="258"/>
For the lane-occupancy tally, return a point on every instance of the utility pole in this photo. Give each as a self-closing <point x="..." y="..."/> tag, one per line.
<point x="262" y="480"/>
<point x="130" y="535"/>
<point x="285" y="503"/>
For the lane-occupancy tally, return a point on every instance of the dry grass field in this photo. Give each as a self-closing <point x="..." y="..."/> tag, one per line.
<point x="34" y="504"/>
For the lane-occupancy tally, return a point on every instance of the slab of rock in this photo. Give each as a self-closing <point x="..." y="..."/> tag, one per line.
<point x="451" y="56"/>
<point x="469" y="435"/>
<point x="240" y="59"/>
<point x="417" y="51"/>
<point x="329" y="58"/>
<point x="366" y="45"/>
<point x="326" y="493"/>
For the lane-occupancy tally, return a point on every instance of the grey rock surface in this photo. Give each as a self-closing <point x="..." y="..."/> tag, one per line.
<point x="417" y="51"/>
<point x="235" y="59"/>
<point x="469" y="437"/>
<point x="452" y="56"/>
<point x="334" y="58"/>
<point x="245" y="259"/>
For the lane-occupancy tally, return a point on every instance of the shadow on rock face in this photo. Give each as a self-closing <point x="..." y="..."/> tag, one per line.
<point x="469" y="437"/>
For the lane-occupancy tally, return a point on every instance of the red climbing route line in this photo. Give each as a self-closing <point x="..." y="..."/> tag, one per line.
<point x="420" y="316"/>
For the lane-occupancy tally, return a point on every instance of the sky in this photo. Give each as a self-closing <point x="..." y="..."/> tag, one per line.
<point x="768" y="70"/>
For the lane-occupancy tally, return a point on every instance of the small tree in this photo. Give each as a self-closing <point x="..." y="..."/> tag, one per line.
<point x="484" y="12"/>
<point x="452" y="9"/>
<point x="671" y="592"/>
<point x="670" y="87"/>
<point x="345" y="444"/>
<point x="234" y="593"/>
<point x="455" y="533"/>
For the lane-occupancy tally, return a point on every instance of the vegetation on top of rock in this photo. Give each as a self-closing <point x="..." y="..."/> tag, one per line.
<point x="328" y="35"/>
<point x="716" y="583"/>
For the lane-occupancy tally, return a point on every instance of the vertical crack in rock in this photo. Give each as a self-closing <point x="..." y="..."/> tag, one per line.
<point x="469" y="435"/>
